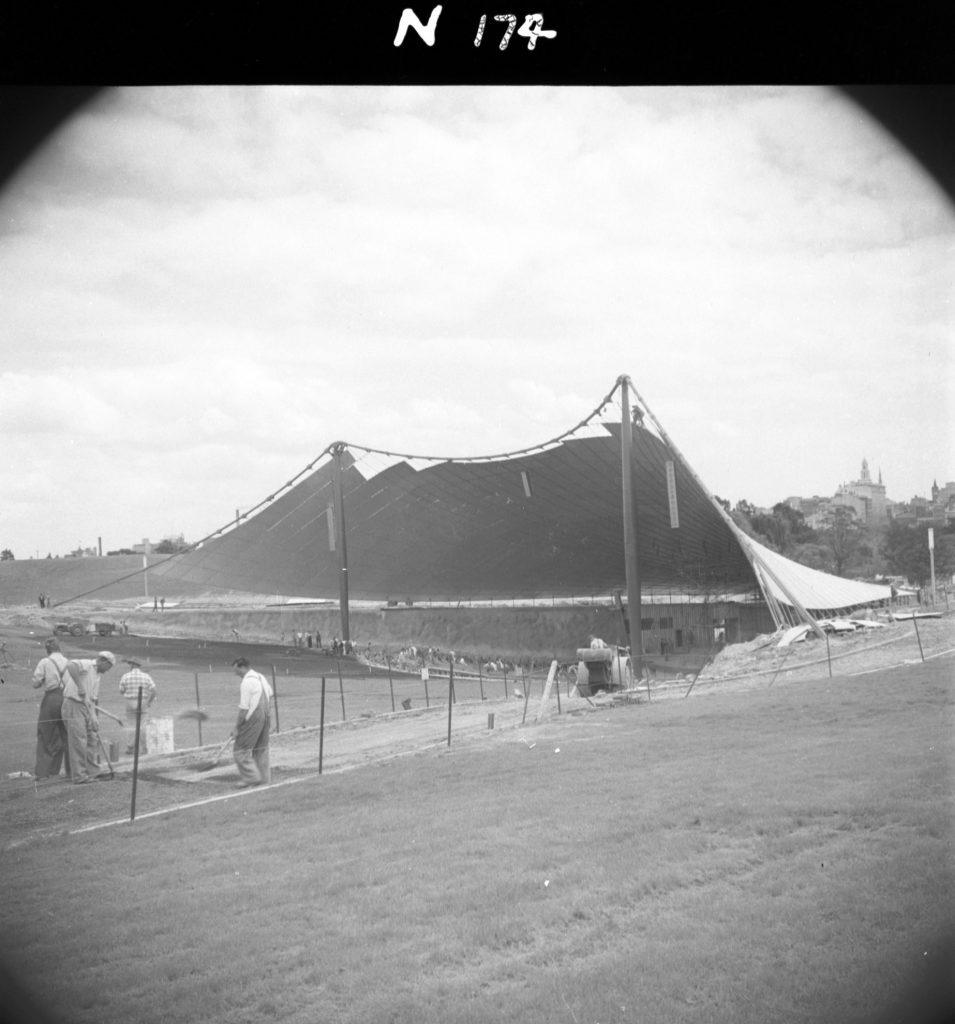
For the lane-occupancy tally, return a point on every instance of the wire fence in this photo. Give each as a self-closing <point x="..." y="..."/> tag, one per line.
<point x="202" y="705"/>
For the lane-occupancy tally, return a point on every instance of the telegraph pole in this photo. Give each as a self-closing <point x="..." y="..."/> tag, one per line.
<point x="337" y="451"/>
<point x="630" y="533"/>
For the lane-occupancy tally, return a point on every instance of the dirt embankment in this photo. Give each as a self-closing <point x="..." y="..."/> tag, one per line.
<point x="513" y="633"/>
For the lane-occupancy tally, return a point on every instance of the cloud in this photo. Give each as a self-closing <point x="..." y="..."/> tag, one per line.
<point x="205" y="286"/>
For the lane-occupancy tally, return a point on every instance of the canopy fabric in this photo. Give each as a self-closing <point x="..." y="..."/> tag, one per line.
<point x="544" y="524"/>
<point x="539" y="524"/>
<point x="818" y="592"/>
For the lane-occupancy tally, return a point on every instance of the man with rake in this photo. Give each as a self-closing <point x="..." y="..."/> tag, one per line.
<point x="252" y="727"/>
<point x="80" y="696"/>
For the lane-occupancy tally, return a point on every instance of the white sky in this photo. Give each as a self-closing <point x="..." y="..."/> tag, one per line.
<point x="203" y="287"/>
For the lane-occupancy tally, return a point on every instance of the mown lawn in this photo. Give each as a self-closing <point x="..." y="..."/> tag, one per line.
<point x="779" y="856"/>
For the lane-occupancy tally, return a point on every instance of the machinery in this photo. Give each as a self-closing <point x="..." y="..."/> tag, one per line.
<point x="603" y="668"/>
<point x="77" y="628"/>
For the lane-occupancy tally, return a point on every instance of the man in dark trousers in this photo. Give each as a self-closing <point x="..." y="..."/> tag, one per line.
<point x="51" y="746"/>
<point x="252" y="726"/>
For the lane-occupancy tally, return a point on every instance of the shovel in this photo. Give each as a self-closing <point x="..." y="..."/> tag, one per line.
<point x="208" y="766"/>
<point x="112" y="773"/>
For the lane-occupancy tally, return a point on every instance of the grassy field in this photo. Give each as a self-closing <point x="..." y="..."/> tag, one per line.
<point x="783" y="855"/>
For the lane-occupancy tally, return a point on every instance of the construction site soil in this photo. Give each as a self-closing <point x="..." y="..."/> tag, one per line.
<point x="33" y="810"/>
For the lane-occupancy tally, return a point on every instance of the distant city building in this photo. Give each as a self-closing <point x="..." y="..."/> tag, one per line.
<point x="939" y="510"/>
<point x="867" y="500"/>
<point x="865" y="497"/>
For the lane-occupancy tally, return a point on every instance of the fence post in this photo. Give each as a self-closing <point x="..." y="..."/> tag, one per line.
<point x="918" y="636"/>
<point x="198" y="708"/>
<point x="481" y="677"/>
<point x="424" y="679"/>
<point x="341" y="689"/>
<point x="450" y="698"/>
<point x="321" y="729"/>
<point x="505" y="680"/>
<point x="275" y="698"/>
<point x="139" y="717"/>
<point x="391" y="683"/>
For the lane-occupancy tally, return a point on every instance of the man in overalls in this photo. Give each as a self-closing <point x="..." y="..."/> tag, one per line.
<point x="251" y="732"/>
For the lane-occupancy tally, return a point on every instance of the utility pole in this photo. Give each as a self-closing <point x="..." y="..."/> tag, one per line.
<point x="931" y="559"/>
<point x="338" y="450"/>
<point x="145" y="567"/>
<point x="630" y="532"/>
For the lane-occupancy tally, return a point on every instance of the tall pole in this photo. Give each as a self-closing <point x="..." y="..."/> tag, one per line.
<point x="931" y="558"/>
<point x="145" y="567"/>
<point x="630" y="532"/>
<point x="337" y="450"/>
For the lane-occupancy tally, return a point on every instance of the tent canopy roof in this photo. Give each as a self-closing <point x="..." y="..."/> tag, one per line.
<point x="544" y="522"/>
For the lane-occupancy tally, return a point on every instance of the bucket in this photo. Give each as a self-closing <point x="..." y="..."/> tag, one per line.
<point x="406" y="703"/>
<point x="159" y="736"/>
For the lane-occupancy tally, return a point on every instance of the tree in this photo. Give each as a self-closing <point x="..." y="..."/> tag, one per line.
<point x="906" y="552"/>
<point x="782" y="527"/>
<point x="843" y="534"/>
<point x="171" y="546"/>
<point x="7" y="555"/>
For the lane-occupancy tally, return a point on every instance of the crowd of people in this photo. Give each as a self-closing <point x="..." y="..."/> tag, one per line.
<point x="411" y="658"/>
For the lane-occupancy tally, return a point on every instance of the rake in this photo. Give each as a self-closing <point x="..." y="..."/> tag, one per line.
<point x="209" y="765"/>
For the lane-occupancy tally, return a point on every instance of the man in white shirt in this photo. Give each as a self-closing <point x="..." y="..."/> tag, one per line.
<point x="51" y="746"/>
<point x="80" y="695"/>
<point x="252" y="727"/>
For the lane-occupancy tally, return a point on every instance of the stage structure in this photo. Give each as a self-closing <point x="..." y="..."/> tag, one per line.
<point x="609" y="508"/>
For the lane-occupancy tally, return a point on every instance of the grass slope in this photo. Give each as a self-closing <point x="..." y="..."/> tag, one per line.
<point x="783" y="855"/>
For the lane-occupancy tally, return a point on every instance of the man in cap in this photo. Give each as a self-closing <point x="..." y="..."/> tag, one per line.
<point x="50" y="730"/>
<point x="129" y="686"/>
<point x="251" y="732"/>
<point x="80" y="696"/>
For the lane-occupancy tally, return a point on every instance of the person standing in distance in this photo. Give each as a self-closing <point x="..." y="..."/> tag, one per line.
<point x="51" y="745"/>
<point x="252" y="726"/>
<point x="129" y="685"/>
<point x="80" y="695"/>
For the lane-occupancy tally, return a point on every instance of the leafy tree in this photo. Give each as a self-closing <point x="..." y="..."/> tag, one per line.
<point x="7" y="555"/>
<point x="171" y="546"/>
<point x="782" y="527"/>
<point x="906" y="552"/>
<point x="814" y="554"/>
<point x="745" y="508"/>
<point x="843" y="534"/>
